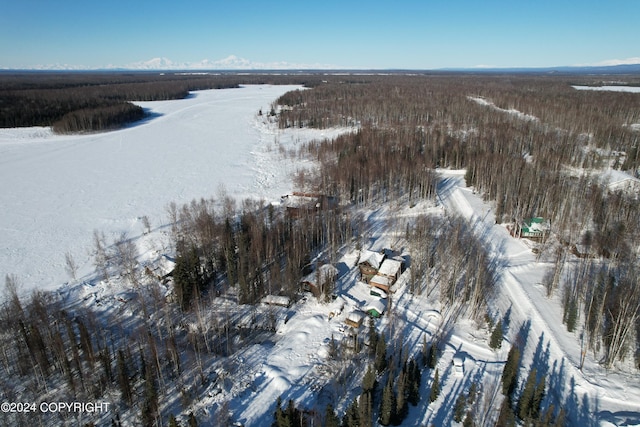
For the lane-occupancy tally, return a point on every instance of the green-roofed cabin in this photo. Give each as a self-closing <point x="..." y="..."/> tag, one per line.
<point x="532" y="228"/>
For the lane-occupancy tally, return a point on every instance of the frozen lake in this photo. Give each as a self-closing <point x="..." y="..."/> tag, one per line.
<point x="58" y="189"/>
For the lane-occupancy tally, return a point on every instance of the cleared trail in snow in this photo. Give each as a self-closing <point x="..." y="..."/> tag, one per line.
<point x="549" y="347"/>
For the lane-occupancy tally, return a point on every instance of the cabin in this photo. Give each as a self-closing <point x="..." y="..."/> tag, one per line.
<point x="381" y="282"/>
<point x="389" y="272"/>
<point x="531" y="228"/>
<point x="369" y="264"/>
<point x="391" y="268"/>
<point x="299" y="204"/>
<point x="354" y="319"/>
<point x="316" y="282"/>
<point x="281" y="301"/>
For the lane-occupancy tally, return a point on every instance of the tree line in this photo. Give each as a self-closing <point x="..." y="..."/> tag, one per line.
<point x="74" y="102"/>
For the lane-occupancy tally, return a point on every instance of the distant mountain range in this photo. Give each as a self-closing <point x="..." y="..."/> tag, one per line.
<point x="233" y="62"/>
<point x="579" y="69"/>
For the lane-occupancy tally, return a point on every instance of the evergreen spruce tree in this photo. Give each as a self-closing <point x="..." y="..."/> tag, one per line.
<point x="352" y="416"/>
<point x="506" y="418"/>
<point x="279" y="417"/>
<point x="432" y="356"/>
<point x="369" y="381"/>
<point x="291" y="413"/>
<point x="193" y="421"/>
<point x="381" y="354"/>
<point x="473" y="392"/>
<point x="425" y="351"/>
<point x="468" y="420"/>
<point x="401" y="408"/>
<point x="546" y="419"/>
<point x="388" y="403"/>
<point x="460" y="408"/>
<point x="496" y="336"/>
<point x="366" y="409"/>
<point x="415" y="378"/>
<point x="571" y="313"/>
<point x="526" y="398"/>
<point x="435" y="387"/>
<point x="373" y="337"/>
<point x="330" y="417"/>
<point x="538" y="395"/>
<point x="187" y="276"/>
<point x="150" y="406"/>
<point x="510" y="372"/>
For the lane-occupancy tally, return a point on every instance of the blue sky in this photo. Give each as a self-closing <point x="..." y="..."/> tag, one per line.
<point x="419" y="34"/>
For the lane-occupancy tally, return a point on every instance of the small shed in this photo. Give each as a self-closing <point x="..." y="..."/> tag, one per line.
<point x="354" y="319"/>
<point x="375" y="308"/>
<point x="281" y="301"/>
<point x="377" y="292"/>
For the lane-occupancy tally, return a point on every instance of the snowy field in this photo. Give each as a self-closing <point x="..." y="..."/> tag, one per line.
<point x="58" y="189"/>
<point x="631" y="89"/>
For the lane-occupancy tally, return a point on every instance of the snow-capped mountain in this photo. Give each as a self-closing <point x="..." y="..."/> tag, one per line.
<point x="231" y="62"/>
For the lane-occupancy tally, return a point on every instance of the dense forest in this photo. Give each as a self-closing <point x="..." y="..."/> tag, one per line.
<point x="531" y="145"/>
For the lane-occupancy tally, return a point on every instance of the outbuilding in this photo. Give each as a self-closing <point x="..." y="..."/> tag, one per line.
<point x="281" y="301"/>
<point x="381" y="282"/>
<point x="375" y="308"/>
<point x="391" y="268"/>
<point x="354" y="319"/>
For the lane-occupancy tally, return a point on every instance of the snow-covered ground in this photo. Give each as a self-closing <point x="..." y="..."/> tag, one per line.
<point x="58" y="189"/>
<point x="511" y="111"/>
<point x="632" y="89"/>
<point x="591" y="393"/>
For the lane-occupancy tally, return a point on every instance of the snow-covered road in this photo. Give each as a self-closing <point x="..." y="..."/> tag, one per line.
<point x="609" y="396"/>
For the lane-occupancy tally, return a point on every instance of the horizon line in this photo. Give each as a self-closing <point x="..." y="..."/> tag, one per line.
<point x="474" y="69"/>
